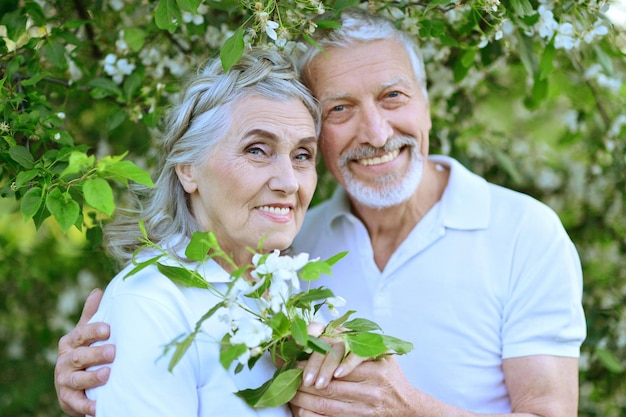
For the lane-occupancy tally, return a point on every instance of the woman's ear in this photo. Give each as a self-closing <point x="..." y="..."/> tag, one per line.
<point x="186" y="177"/>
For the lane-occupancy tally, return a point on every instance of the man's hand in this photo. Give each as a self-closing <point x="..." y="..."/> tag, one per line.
<point x="75" y="355"/>
<point x="374" y="388"/>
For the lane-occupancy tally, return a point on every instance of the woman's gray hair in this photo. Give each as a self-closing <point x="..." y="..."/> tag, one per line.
<point x="200" y="120"/>
<point x="360" y="26"/>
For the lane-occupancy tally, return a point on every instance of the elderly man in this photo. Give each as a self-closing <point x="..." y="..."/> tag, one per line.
<point x="482" y="280"/>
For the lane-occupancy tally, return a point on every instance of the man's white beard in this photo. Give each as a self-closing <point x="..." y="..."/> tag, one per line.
<point x="388" y="190"/>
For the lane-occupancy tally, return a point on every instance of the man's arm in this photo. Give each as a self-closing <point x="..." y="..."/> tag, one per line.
<point x="75" y="355"/>
<point x="545" y="386"/>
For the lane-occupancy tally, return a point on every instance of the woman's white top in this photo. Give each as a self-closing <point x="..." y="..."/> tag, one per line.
<point x="146" y="312"/>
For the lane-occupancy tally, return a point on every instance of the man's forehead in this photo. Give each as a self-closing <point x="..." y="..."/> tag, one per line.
<point x="328" y="95"/>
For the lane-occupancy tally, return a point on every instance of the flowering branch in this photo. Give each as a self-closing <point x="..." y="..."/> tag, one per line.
<point x="277" y="325"/>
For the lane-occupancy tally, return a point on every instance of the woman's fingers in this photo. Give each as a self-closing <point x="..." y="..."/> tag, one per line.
<point x="349" y="363"/>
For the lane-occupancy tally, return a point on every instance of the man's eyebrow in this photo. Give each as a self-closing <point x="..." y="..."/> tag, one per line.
<point x="333" y="97"/>
<point x="381" y="88"/>
<point x="395" y="81"/>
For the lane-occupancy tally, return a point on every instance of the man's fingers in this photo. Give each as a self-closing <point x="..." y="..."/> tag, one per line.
<point x="71" y="393"/>
<point x="84" y="335"/>
<point x="83" y="380"/>
<point x="79" y="406"/>
<point x="91" y="306"/>
<point x="84" y="357"/>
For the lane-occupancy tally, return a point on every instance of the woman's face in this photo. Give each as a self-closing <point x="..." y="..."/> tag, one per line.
<point x="259" y="180"/>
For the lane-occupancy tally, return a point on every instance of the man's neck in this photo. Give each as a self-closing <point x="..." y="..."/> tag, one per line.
<point x="389" y="227"/>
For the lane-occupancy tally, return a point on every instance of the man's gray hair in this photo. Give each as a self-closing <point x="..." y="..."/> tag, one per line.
<point x="193" y="127"/>
<point x="360" y="26"/>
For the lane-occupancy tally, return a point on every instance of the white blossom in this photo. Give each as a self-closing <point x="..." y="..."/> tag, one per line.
<point x="117" y="68"/>
<point x="333" y="302"/>
<point x="565" y="37"/>
<point x="281" y="267"/>
<point x="546" y="24"/>
<point x="270" y="29"/>
<point x="251" y="332"/>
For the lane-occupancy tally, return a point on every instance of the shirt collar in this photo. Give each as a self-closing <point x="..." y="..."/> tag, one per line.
<point x="466" y="201"/>
<point x="464" y="204"/>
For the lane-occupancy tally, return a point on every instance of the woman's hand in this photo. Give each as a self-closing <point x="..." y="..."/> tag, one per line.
<point x="320" y="368"/>
<point x="74" y="356"/>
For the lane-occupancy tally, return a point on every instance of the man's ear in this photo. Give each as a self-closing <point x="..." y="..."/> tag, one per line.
<point x="186" y="177"/>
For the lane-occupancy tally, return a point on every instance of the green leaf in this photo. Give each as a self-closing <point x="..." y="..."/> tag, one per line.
<point x="24" y="177"/>
<point x="133" y="83"/>
<point x="34" y="79"/>
<point x="64" y="209"/>
<point x="318" y="345"/>
<point x="106" y="85"/>
<point x="228" y="352"/>
<point x="277" y="391"/>
<point x="362" y="325"/>
<point x="79" y="162"/>
<point x="167" y="15"/>
<point x="200" y="244"/>
<point x="340" y="5"/>
<point x="183" y="276"/>
<point x="335" y="324"/>
<point x="299" y="331"/>
<point x="141" y="265"/>
<point x="54" y="51"/>
<point x="279" y="324"/>
<point x="22" y="156"/>
<point x="232" y="49"/>
<point x="135" y="38"/>
<point x="399" y="346"/>
<point x="190" y="6"/>
<point x="508" y="165"/>
<point x="313" y="270"/>
<point x="289" y="350"/>
<point x="30" y="203"/>
<point x="126" y="170"/>
<point x="99" y="195"/>
<point x="522" y="7"/>
<point x="546" y="65"/>
<point x="336" y="258"/>
<point x="181" y="349"/>
<point x="436" y="3"/>
<point x="608" y="359"/>
<point x="116" y="118"/>
<point x="313" y="294"/>
<point x="366" y="345"/>
<point x="328" y="24"/>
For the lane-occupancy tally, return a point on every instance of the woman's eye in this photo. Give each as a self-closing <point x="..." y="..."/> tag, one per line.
<point x="303" y="156"/>
<point x="340" y="107"/>
<point x="255" y="150"/>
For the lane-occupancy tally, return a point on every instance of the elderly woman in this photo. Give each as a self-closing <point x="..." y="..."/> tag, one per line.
<point x="238" y="159"/>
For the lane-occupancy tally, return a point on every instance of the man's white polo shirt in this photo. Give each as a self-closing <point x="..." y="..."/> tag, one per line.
<point x="487" y="274"/>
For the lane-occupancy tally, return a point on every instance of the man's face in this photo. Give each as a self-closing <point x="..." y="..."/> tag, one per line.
<point x="375" y="120"/>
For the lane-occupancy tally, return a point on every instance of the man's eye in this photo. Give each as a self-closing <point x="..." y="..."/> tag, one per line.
<point x="393" y="94"/>
<point x="340" y="107"/>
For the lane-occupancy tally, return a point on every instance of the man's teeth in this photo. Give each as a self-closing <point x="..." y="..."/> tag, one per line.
<point x="389" y="156"/>
<point x="275" y="210"/>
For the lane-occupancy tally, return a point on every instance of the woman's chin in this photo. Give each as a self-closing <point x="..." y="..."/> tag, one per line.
<point x="281" y="242"/>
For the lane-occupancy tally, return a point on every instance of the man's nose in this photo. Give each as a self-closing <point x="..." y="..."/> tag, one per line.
<point x="374" y="126"/>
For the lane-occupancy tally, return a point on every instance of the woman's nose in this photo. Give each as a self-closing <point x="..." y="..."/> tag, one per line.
<point x="283" y="177"/>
